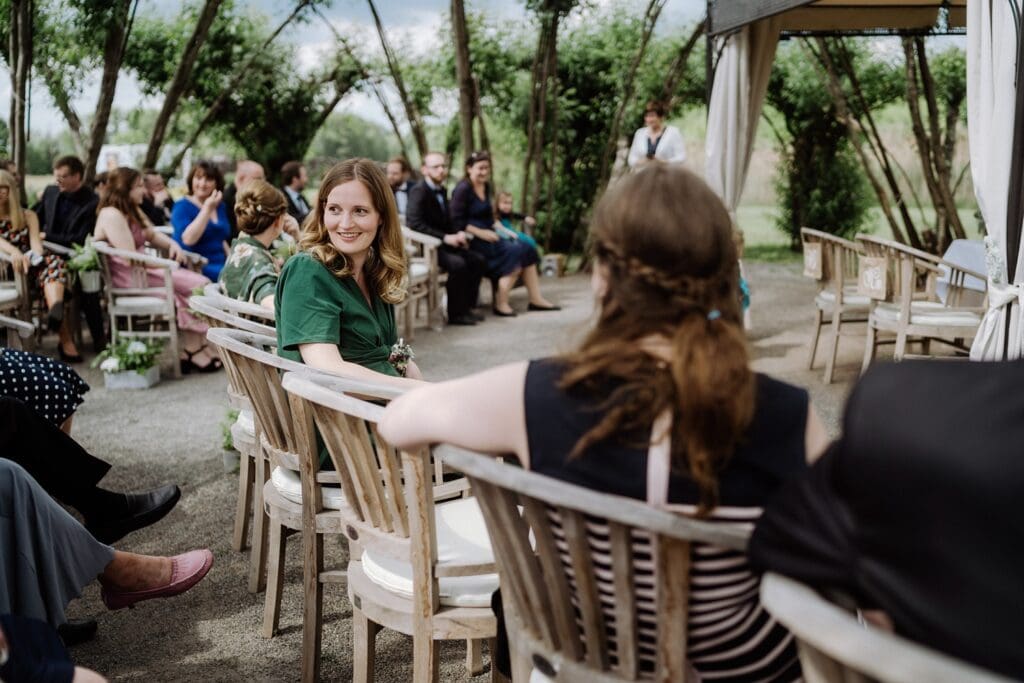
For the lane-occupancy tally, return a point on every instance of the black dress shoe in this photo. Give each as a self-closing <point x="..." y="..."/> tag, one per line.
<point x="503" y="314"/>
<point x="535" y="307"/>
<point x="476" y="316"/>
<point x="465" y="319"/>
<point x="143" y="509"/>
<point x="68" y="357"/>
<point x="77" y="632"/>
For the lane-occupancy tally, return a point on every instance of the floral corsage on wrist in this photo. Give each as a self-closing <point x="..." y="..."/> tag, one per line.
<point x="401" y="354"/>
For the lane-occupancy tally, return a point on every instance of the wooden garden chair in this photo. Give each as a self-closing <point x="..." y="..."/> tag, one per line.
<point x="243" y="309"/>
<point x="902" y="283"/>
<point x="419" y="561"/>
<point x="13" y="332"/>
<point x="835" y="646"/>
<point x="595" y="587"/>
<point x="141" y="310"/>
<point x="243" y="431"/>
<point x="832" y="261"/>
<point x="14" y="290"/>
<point x="294" y="499"/>
<point x="423" y="283"/>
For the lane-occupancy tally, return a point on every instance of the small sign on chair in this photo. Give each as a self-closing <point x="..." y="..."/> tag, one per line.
<point x="872" y="277"/>
<point x="812" y="260"/>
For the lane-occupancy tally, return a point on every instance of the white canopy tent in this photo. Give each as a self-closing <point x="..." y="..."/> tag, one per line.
<point x="744" y="34"/>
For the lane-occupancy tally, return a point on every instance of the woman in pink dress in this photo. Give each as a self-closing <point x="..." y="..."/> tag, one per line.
<point x="121" y="223"/>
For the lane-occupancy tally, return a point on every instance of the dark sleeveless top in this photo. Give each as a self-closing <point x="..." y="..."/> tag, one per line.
<point x="731" y="638"/>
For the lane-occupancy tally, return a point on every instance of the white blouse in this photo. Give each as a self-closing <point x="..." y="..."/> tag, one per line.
<point x="670" y="148"/>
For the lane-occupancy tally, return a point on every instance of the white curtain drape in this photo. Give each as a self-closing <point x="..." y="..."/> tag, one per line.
<point x="741" y="80"/>
<point x="991" y="67"/>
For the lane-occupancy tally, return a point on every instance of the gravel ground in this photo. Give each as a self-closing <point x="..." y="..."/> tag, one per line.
<point x="172" y="433"/>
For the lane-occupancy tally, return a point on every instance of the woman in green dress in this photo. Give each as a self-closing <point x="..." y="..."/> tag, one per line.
<point x="251" y="271"/>
<point x="335" y="299"/>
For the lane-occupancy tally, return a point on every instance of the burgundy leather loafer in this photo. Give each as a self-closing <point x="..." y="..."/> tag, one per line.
<point x="186" y="571"/>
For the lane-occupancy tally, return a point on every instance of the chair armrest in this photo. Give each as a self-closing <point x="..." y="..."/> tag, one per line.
<point x="24" y="329"/>
<point x="135" y="256"/>
<point x="58" y="249"/>
<point x="421" y="238"/>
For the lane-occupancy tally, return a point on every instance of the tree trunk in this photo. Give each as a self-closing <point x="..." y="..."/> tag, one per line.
<point x="113" y="51"/>
<point x="549" y="66"/>
<point x="411" y="112"/>
<point x="464" y="77"/>
<point x="63" y="102"/>
<point x="478" y="112"/>
<point x="180" y="80"/>
<point x="549" y="213"/>
<point x="240" y="74"/>
<point x="654" y="8"/>
<point x="678" y="66"/>
<point x="539" y="60"/>
<point x="20" y="61"/>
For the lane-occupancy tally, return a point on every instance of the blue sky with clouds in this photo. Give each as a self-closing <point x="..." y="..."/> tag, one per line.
<point x="416" y="24"/>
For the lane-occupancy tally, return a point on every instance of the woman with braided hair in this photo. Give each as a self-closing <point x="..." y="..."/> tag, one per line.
<point x="668" y="344"/>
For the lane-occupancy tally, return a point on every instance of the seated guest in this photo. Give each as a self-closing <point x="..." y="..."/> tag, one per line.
<point x="399" y="172"/>
<point x="912" y="511"/>
<point x="200" y="218"/>
<point x="506" y="259"/>
<point x="251" y="271"/>
<point x="67" y="215"/>
<point x="656" y="141"/>
<point x="32" y="652"/>
<point x="51" y="388"/>
<point x="99" y="183"/>
<point x="71" y="474"/>
<point x="294" y="177"/>
<point x="245" y="170"/>
<point x="668" y="343"/>
<point x="504" y="214"/>
<point x="335" y="299"/>
<point x="157" y="203"/>
<point x="121" y="223"/>
<point x="20" y="239"/>
<point x="12" y="168"/>
<point x="47" y="558"/>
<point x="427" y="212"/>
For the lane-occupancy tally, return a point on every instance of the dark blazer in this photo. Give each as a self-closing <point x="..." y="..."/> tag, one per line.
<point x="294" y="210"/>
<point x="230" y="194"/>
<point x="81" y="220"/>
<point x="424" y="213"/>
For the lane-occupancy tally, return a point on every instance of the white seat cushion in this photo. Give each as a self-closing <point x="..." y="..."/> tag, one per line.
<point x="245" y="422"/>
<point x="929" y="313"/>
<point x="461" y="539"/>
<point x="851" y="299"/>
<point x="289" y="485"/>
<point x="140" y="302"/>
<point x="8" y="294"/>
<point x="418" y="269"/>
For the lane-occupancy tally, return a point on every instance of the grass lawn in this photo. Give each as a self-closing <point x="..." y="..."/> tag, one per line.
<point x="766" y="242"/>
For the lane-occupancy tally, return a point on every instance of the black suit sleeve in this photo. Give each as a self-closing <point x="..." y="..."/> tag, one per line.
<point x="459" y="205"/>
<point x="417" y="211"/>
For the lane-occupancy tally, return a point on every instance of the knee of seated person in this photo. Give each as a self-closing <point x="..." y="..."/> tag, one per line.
<point x="13" y="477"/>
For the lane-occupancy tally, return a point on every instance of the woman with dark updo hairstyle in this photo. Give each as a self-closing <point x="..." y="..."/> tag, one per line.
<point x="668" y="348"/>
<point x="251" y="271"/>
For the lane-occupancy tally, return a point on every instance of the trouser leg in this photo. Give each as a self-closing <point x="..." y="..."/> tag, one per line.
<point x="57" y="462"/>
<point x="464" y="269"/>
<point x="93" y="317"/>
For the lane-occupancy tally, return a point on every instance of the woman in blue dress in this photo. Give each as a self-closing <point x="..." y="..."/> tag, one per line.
<point x="471" y="211"/>
<point x="200" y="218"/>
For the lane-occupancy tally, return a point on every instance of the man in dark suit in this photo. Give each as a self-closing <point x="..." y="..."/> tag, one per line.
<point x="294" y="179"/>
<point x="427" y="212"/>
<point x="399" y="172"/>
<point x="67" y="214"/>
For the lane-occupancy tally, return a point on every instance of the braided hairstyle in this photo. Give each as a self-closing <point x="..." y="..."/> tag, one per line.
<point x="662" y="240"/>
<point x="258" y="205"/>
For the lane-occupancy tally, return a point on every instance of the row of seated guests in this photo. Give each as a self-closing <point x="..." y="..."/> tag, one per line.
<point x="472" y="244"/>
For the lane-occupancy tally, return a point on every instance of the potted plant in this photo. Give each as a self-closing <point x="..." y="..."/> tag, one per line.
<point x="129" y="364"/>
<point x="86" y="264"/>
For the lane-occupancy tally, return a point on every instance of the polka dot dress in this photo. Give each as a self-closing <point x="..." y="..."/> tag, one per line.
<point x="49" y="387"/>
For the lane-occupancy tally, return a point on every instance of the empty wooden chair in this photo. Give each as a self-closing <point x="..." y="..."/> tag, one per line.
<point x="832" y="261"/>
<point x="141" y="310"/>
<point x="417" y="565"/>
<point x="902" y="283"/>
<point x="426" y="280"/>
<point x="835" y="646"/>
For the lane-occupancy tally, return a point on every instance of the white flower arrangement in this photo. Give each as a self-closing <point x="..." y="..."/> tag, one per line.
<point x="128" y="354"/>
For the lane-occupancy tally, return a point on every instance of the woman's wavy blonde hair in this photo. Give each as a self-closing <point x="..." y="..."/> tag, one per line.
<point x="15" y="214"/>
<point x="385" y="265"/>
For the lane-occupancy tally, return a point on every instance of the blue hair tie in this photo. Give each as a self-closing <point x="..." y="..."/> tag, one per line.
<point x="714" y="314"/>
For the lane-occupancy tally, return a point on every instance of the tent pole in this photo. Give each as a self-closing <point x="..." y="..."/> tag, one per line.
<point x="1015" y="198"/>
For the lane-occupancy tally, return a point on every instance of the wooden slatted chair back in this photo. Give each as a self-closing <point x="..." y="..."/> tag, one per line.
<point x="838" y="257"/>
<point x="242" y="309"/>
<point x="595" y="586"/>
<point x="906" y="269"/>
<point x="835" y="646"/>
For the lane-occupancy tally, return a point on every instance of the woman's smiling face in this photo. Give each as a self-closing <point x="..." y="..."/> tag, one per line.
<point x="351" y="219"/>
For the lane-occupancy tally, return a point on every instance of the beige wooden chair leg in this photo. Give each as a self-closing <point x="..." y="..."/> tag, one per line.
<point x="260" y="525"/>
<point x="496" y="676"/>
<point x="312" y="609"/>
<point x="425" y="658"/>
<point x="243" y="507"/>
<point x="364" y="639"/>
<point x="869" y="348"/>
<point x="474" y="657"/>
<point x="901" y="346"/>
<point x="830" y="362"/>
<point x="818" y="322"/>
<point x="275" y="580"/>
